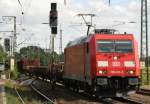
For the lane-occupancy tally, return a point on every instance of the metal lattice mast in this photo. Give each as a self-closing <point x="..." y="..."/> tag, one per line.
<point x="60" y="44"/>
<point x="8" y="18"/>
<point x="50" y="44"/>
<point x="144" y="35"/>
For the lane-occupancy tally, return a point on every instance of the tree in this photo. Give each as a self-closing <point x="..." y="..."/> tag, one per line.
<point x="2" y="54"/>
<point x="61" y="56"/>
<point x="34" y="52"/>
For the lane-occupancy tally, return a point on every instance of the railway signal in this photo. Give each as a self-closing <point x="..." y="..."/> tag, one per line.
<point x="8" y="18"/>
<point x="7" y="44"/>
<point x="54" y="30"/>
<point x="53" y="18"/>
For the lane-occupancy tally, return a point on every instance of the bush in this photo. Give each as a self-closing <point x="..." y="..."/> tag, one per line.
<point x="14" y="74"/>
<point x="8" y="84"/>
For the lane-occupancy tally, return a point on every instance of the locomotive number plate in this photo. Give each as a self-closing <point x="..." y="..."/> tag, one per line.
<point x="116" y="71"/>
<point x="116" y="63"/>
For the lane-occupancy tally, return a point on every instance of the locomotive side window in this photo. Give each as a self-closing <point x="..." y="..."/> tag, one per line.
<point x="105" y="46"/>
<point x="123" y="46"/>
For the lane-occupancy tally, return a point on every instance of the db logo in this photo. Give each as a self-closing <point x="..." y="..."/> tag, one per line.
<point x="116" y="63"/>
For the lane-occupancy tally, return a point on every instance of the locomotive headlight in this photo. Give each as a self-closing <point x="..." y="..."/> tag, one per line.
<point x="102" y="71"/>
<point x="115" y="58"/>
<point x="131" y="72"/>
<point x="102" y="63"/>
<point x="129" y="64"/>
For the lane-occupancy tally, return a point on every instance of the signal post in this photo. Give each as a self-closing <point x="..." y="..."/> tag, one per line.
<point x="53" y="22"/>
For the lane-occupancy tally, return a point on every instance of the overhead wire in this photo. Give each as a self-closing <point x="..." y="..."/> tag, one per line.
<point x="24" y="9"/>
<point x="20" y="3"/>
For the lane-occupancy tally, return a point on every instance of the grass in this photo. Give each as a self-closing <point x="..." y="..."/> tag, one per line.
<point x="28" y="95"/>
<point x="11" y="97"/>
<point x="144" y="76"/>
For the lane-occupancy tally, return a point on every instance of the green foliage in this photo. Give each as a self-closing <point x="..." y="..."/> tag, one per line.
<point x="61" y="56"/>
<point x="8" y="84"/>
<point x="29" y="96"/>
<point x="144" y="76"/>
<point x="10" y="93"/>
<point x="55" y="56"/>
<point x="145" y="59"/>
<point x="33" y="52"/>
<point x="2" y="54"/>
<point x="14" y="74"/>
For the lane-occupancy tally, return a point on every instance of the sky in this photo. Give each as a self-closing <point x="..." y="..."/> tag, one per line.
<point x="36" y="12"/>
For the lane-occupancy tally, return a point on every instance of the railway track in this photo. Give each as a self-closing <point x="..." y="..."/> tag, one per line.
<point x="40" y="93"/>
<point x="144" y="92"/>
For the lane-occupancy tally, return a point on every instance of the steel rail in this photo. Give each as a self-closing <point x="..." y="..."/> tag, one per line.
<point x="127" y="100"/>
<point x="22" y="101"/>
<point x="19" y="96"/>
<point x="132" y="101"/>
<point x="143" y="92"/>
<point x="41" y="93"/>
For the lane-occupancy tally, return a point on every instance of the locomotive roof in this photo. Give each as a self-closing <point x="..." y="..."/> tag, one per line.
<point x="77" y="41"/>
<point x="84" y="39"/>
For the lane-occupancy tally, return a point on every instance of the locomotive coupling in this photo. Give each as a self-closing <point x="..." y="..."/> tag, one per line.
<point x="102" y="81"/>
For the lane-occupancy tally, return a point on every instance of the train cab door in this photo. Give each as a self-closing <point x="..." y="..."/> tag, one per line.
<point x="87" y="63"/>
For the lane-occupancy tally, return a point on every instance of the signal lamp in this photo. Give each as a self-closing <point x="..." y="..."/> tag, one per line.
<point x="7" y="44"/>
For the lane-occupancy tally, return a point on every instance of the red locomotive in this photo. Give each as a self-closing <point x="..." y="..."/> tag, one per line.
<point x="104" y="63"/>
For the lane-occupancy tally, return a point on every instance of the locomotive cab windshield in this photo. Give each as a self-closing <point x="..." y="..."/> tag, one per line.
<point x="122" y="46"/>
